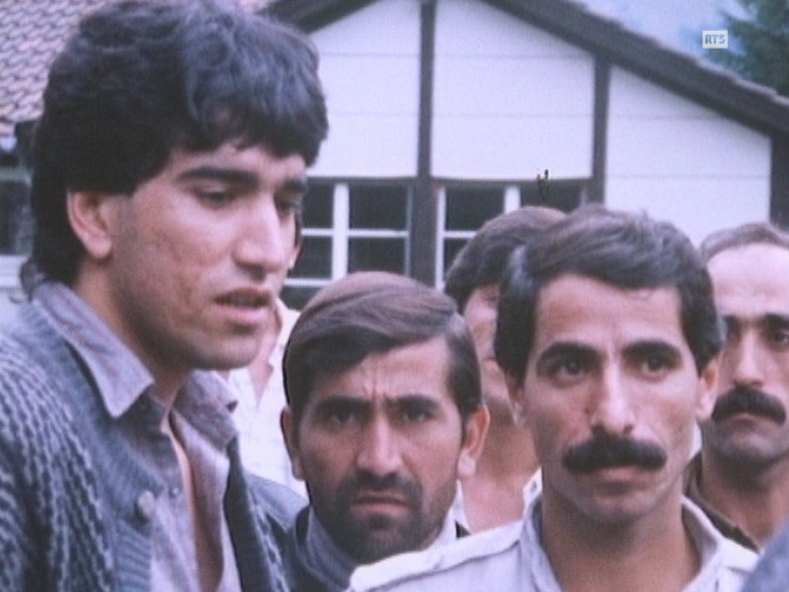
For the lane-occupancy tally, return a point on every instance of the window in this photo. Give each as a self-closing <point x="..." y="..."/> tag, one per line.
<point x="562" y="194"/>
<point x="378" y="228"/>
<point x="14" y="214"/>
<point x="314" y="266"/>
<point x="15" y="233"/>
<point x="363" y="224"/>
<point x="465" y="207"/>
<point x="347" y="228"/>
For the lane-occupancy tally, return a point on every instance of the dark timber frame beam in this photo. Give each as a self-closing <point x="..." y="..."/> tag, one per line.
<point x="423" y="211"/>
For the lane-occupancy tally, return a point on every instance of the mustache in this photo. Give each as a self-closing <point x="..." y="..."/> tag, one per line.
<point x="607" y="451"/>
<point x="392" y="483"/>
<point x="745" y="399"/>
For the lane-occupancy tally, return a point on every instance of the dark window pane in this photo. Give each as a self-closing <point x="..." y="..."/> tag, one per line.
<point x="296" y="297"/>
<point x="318" y="206"/>
<point x="315" y="258"/>
<point x="468" y="208"/>
<point x="562" y="195"/>
<point x="15" y="226"/>
<point x="451" y="248"/>
<point x="376" y="254"/>
<point x="378" y="207"/>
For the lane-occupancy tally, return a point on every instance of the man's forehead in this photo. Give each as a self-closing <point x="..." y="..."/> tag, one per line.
<point x="573" y="301"/>
<point x="753" y="277"/>
<point x="408" y="369"/>
<point x="572" y="286"/>
<point x="754" y="259"/>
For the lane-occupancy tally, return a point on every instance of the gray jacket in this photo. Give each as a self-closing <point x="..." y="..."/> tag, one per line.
<point x="75" y="500"/>
<point x="771" y="573"/>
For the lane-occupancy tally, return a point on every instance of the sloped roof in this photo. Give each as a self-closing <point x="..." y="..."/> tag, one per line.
<point x="31" y="34"/>
<point x="705" y="83"/>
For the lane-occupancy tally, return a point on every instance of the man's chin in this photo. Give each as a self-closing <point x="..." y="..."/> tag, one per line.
<point x="376" y="548"/>
<point x="748" y="452"/>
<point x="376" y="538"/>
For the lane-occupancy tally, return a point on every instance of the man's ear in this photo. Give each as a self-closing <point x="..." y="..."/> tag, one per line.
<point x="476" y="428"/>
<point x="289" y="432"/>
<point x="708" y="389"/>
<point x="294" y="257"/>
<point x="517" y="398"/>
<point x="93" y="216"/>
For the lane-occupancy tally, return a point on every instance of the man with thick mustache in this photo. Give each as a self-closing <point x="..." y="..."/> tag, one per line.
<point x="740" y="478"/>
<point x="607" y="333"/>
<point x="384" y="414"/>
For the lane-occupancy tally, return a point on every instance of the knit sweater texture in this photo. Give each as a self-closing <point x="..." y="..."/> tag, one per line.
<point x="73" y="493"/>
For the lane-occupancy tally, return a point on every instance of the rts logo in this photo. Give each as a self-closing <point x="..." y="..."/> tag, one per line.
<point x="715" y="39"/>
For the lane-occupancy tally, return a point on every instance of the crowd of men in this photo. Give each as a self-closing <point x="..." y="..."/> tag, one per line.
<point x="592" y="404"/>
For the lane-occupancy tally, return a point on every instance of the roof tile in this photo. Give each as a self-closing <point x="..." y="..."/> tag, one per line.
<point x="31" y="34"/>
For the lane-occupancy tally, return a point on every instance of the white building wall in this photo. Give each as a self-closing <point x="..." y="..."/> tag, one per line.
<point x="370" y="71"/>
<point x="682" y="162"/>
<point x="509" y="99"/>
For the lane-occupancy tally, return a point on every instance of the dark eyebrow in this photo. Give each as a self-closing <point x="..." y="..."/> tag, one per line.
<point x="776" y="321"/>
<point x="333" y="398"/>
<point x="413" y="401"/>
<point x="226" y="175"/>
<point x="731" y="323"/>
<point x="340" y="401"/>
<point x="492" y="298"/>
<point x="730" y="319"/>
<point x="241" y="178"/>
<point x="643" y="349"/>
<point x="565" y="349"/>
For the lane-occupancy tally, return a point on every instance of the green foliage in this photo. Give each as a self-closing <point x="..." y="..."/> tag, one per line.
<point x="758" y="43"/>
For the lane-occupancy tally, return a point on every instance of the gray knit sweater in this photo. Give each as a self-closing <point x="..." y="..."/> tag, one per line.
<point x="71" y="513"/>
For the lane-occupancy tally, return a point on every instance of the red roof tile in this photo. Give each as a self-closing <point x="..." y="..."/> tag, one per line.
<point x="31" y="34"/>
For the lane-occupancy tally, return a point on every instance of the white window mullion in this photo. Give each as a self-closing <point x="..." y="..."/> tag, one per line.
<point x="340" y="222"/>
<point x="441" y="221"/>
<point x="512" y="198"/>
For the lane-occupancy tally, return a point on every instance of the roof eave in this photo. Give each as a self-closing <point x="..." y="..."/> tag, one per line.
<point x="311" y="15"/>
<point x="754" y="105"/>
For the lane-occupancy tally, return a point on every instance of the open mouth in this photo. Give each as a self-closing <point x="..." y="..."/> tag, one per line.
<point x="245" y="308"/>
<point x="244" y="301"/>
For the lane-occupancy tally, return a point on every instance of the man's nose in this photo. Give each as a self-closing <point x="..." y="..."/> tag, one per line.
<point x="743" y="358"/>
<point x="265" y="237"/>
<point x="378" y="453"/>
<point x="610" y="406"/>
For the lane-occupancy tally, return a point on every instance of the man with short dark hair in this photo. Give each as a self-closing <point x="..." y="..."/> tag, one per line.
<point x="384" y="414"/>
<point x="607" y="333"/>
<point x="168" y="167"/>
<point x="741" y="475"/>
<point x="494" y="494"/>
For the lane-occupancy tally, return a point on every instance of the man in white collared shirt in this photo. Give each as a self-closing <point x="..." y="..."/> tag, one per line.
<point x="607" y="332"/>
<point x="260" y="399"/>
